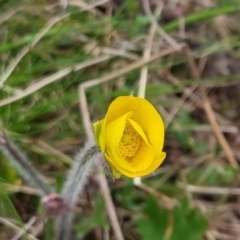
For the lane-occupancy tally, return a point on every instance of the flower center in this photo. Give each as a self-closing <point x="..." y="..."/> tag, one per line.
<point x="130" y="141"/>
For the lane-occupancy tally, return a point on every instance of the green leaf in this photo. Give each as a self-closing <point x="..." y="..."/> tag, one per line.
<point x="97" y="219"/>
<point x="155" y="223"/>
<point x="182" y="222"/>
<point x="7" y="173"/>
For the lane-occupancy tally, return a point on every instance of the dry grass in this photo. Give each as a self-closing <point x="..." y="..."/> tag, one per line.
<point x="57" y="56"/>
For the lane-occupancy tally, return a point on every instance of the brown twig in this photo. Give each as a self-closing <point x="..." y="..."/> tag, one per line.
<point x="16" y="228"/>
<point x="171" y="41"/>
<point x="126" y="69"/>
<point x="209" y="111"/>
<point x="7" y="15"/>
<point x="219" y="135"/>
<point x="27" y="226"/>
<point x="211" y="190"/>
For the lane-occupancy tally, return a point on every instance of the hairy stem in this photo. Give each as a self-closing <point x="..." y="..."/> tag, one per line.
<point x="22" y="165"/>
<point x="73" y="187"/>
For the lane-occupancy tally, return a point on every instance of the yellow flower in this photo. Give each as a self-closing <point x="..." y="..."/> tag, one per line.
<point x="131" y="137"/>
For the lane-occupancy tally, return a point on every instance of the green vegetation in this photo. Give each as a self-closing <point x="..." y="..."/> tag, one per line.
<point x="197" y="178"/>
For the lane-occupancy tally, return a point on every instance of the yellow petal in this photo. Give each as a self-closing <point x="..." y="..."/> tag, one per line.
<point x="114" y="132"/>
<point x="146" y="121"/>
<point x="146" y="154"/>
<point x="132" y="174"/>
<point x="144" y="114"/>
<point x="116" y="169"/>
<point x="155" y="164"/>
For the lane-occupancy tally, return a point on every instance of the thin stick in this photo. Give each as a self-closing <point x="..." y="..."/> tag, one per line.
<point x="146" y="56"/>
<point x="52" y="78"/>
<point x="171" y="41"/>
<point x="51" y="150"/>
<point x="187" y="93"/>
<point x="63" y="3"/>
<point x="7" y="15"/>
<point x="144" y="70"/>
<point x="218" y="133"/>
<point x="208" y="128"/>
<point x="25" y="50"/>
<point x="27" y="226"/>
<point x="194" y="97"/>
<point x="131" y="67"/>
<point x="87" y="7"/>
<point x="209" y="111"/>
<point x="211" y="190"/>
<point x="22" y="189"/>
<point x="16" y="228"/>
<point x="96" y="4"/>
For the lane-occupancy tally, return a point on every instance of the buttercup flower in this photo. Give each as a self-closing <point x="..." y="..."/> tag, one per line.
<point x="131" y="137"/>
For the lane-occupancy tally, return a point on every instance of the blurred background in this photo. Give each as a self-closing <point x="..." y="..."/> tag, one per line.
<point x="182" y="55"/>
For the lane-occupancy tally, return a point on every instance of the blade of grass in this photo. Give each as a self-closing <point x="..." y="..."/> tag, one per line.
<point x="200" y="16"/>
